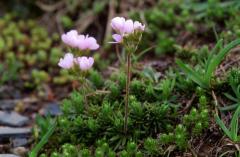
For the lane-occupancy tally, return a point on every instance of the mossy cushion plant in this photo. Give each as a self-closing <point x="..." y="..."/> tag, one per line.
<point x="142" y="115"/>
<point x="27" y="51"/>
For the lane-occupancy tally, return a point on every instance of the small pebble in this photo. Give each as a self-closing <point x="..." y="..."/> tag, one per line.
<point x="52" y="109"/>
<point x="14" y="132"/>
<point x="7" y="104"/>
<point x="17" y="142"/>
<point x="21" y="151"/>
<point x="12" y="119"/>
<point x="8" y="155"/>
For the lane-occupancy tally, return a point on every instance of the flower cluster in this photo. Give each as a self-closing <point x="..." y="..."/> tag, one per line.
<point x="69" y="61"/>
<point x="125" y="28"/>
<point x="83" y="43"/>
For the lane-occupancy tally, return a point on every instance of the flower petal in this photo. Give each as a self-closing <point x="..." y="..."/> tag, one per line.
<point x="138" y="26"/>
<point x="92" y="43"/>
<point x="85" y="63"/>
<point x="128" y="27"/>
<point x="86" y="42"/>
<point x="117" y="24"/>
<point x="118" y="38"/>
<point x="70" y="38"/>
<point x="67" y="62"/>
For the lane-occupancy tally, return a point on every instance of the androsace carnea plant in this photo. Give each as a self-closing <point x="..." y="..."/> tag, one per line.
<point x="78" y="66"/>
<point x="213" y="60"/>
<point x="74" y="61"/>
<point x="129" y="34"/>
<point x="232" y="131"/>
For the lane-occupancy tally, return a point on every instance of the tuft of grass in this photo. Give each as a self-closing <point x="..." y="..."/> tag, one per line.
<point x="213" y="60"/>
<point x="232" y="131"/>
<point x="43" y="140"/>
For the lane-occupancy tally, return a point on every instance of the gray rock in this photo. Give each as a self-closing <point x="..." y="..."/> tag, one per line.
<point x="52" y="109"/>
<point x="8" y="155"/>
<point x="14" y="132"/>
<point x="13" y="119"/>
<point x="17" y="142"/>
<point x="7" y="104"/>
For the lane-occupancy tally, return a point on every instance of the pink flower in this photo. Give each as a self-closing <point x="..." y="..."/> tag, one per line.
<point x="86" y="42"/>
<point x="122" y="26"/>
<point x="128" y="27"/>
<point x="118" y="23"/>
<point x="73" y="39"/>
<point x="67" y="62"/>
<point x="84" y="62"/>
<point x="125" y="27"/>
<point x="70" y="38"/>
<point x="138" y="26"/>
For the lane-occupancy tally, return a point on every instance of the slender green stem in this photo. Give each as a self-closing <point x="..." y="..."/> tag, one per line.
<point x="85" y="98"/>
<point x="84" y="90"/>
<point x="127" y="91"/>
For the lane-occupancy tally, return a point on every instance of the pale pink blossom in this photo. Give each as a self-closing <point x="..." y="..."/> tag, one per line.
<point x="85" y="63"/>
<point x="73" y="39"/>
<point x="67" y="62"/>
<point x="70" y="38"/>
<point x="128" y="27"/>
<point x="138" y="26"/>
<point x="87" y="43"/>
<point x="118" y="23"/>
<point x="124" y="28"/>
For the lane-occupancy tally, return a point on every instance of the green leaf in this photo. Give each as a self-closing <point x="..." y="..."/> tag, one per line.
<point x="151" y="74"/>
<point x="191" y="74"/>
<point x="235" y="89"/>
<point x="231" y="97"/>
<point x="214" y="51"/>
<point x="238" y="92"/>
<point x="43" y="141"/>
<point x="114" y="138"/>
<point x="222" y="125"/>
<point x="218" y="59"/>
<point x="227" y="108"/>
<point x="137" y="57"/>
<point x="234" y="125"/>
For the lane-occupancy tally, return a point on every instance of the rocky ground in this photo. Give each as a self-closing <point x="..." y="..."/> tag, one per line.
<point x="17" y="122"/>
